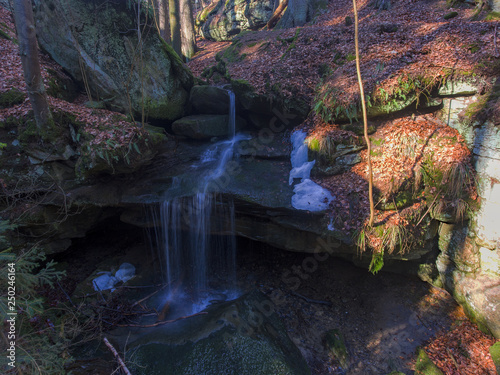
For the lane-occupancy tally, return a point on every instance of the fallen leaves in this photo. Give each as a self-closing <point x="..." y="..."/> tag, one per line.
<point x="462" y="351"/>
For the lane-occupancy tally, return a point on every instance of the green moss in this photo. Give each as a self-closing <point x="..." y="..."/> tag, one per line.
<point x="232" y="53"/>
<point x="336" y="346"/>
<point x="180" y="69"/>
<point x="293" y="42"/>
<point x="474" y="47"/>
<point x="241" y="86"/>
<point x="480" y="109"/>
<point x="450" y="15"/>
<point x="11" y="98"/>
<point x="314" y="144"/>
<point x="424" y="365"/>
<point x="401" y="200"/>
<point x="358" y="129"/>
<point x="350" y="57"/>
<point x="202" y="17"/>
<point x="156" y="135"/>
<point x="495" y="355"/>
<point x="492" y="16"/>
<point x="4" y="35"/>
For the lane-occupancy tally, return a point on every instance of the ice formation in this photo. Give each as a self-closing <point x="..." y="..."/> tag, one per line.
<point x="108" y="281"/>
<point x="308" y="195"/>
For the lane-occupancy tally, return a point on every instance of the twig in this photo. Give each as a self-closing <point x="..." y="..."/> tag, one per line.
<point x="495" y="41"/>
<point x="311" y="300"/>
<point x="117" y="356"/>
<point x="149" y="296"/>
<point x="430" y="207"/>
<point x="138" y="286"/>
<point x="421" y="321"/>
<point x="453" y="359"/>
<point x="161" y="323"/>
<point x="66" y="294"/>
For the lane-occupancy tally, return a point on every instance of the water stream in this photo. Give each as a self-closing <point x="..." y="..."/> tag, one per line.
<point x="196" y="238"/>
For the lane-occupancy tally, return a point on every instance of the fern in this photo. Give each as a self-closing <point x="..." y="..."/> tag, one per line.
<point x="377" y="262"/>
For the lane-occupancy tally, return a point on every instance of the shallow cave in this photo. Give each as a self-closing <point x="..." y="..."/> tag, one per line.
<point x="383" y="317"/>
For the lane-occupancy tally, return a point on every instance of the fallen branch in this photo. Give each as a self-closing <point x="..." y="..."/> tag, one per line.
<point x="453" y="359"/>
<point x="162" y="322"/>
<point x="149" y="296"/>
<point x="430" y="208"/>
<point x="311" y="300"/>
<point x="117" y="356"/>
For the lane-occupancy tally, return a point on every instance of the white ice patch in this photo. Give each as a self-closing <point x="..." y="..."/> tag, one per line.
<point x="303" y="172"/>
<point x="299" y="148"/>
<point x="125" y="272"/>
<point x="308" y="195"/>
<point x="104" y="282"/>
<point x="108" y="281"/>
<point x="330" y="225"/>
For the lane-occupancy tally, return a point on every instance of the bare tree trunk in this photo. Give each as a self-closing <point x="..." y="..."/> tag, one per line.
<point x="188" y="38"/>
<point x="28" y="49"/>
<point x="163" y="18"/>
<point x="277" y="14"/>
<point x="365" y="118"/>
<point x="175" y="31"/>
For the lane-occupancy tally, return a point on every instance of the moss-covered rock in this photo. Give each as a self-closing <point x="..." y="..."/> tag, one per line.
<point x="240" y="337"/>
<point x="495" y="355"/>
<point x="450" y="15"/>
<point x="209" y="100"/>
<point x="61" y="86"/>
<point x="128" y="74"/>
<point x="111" y="157"/>
<point x="334" y="341"/>
<point x="269" y="111"/>
<point x="456" y="243"/>
<point x="424" y="365"/>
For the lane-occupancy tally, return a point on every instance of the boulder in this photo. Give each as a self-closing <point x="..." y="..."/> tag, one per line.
<point x="243" y="336"/>
<point x="205" y="126"/>
<point x="98" y="45"/>
<point x="494" y="5"/>
<point x="297" y="13"/>
<point x="460" y="88"/>
<point x="224" y="19"/>
<point x="265" y="112"/>
<point x="209" y="100"/>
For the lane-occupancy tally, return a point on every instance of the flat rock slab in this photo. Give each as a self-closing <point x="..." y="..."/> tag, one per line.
<point x="205" y="126"/>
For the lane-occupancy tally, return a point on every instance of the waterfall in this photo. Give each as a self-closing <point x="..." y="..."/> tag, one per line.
<point x="195" y="261"/>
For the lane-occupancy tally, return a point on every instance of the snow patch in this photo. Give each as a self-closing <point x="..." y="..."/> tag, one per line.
<point x="308" y="194"/>
<point x="108" y="281"/>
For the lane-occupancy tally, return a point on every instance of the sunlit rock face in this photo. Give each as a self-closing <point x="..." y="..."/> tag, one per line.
<point x="222" y="20"/>
<point x="469" y="263"/>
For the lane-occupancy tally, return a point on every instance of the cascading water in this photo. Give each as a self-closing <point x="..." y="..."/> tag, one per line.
<point x="196" y="239"/>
